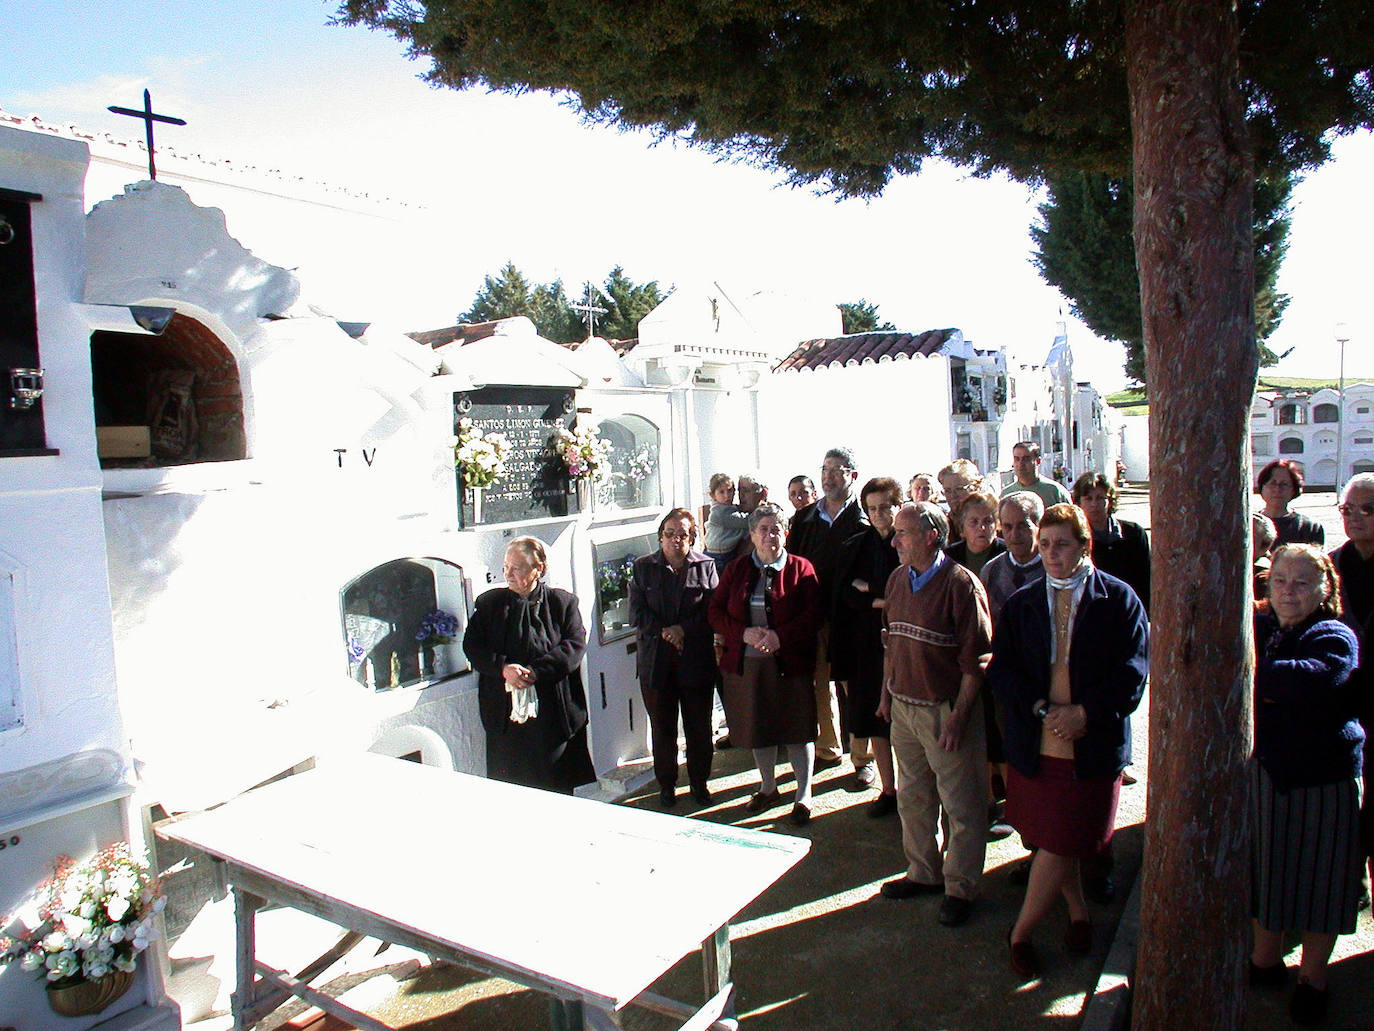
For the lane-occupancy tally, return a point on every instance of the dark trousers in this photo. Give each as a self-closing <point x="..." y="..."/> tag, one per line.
<point x="693" y="701"/>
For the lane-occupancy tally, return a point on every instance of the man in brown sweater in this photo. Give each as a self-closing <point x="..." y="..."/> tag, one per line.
<point x="939" y="639"/>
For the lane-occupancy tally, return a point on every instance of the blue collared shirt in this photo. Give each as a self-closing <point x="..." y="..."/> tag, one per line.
<point x="919" y="580"/>
<point x="825" y="517"/>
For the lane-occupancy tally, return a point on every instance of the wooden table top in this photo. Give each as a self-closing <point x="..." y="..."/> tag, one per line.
<point x="603" y="898"/>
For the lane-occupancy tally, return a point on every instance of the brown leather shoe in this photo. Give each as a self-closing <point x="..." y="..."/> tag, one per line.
<point x="1078" y="936"/>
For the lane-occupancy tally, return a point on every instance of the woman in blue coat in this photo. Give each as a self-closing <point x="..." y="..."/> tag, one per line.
<point x="1070" y="655"/>
<point x="1306" y="797"/>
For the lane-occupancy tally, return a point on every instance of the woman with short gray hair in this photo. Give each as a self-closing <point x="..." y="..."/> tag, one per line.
<point x="766" y="613"/>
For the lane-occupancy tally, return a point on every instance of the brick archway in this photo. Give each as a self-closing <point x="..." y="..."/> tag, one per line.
<point x="133" y="373"/>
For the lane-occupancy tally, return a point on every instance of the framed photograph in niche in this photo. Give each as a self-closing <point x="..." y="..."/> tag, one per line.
<point x="535" y="482"/>
<point x="403" y="623"/>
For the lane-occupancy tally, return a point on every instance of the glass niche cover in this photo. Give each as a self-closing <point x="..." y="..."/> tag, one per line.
<point x="631" y="479"/>
<point x="614" y="569"/>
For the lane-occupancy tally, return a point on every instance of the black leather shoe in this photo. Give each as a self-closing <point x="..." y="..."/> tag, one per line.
<point x="801" y="815"/>
<point x="762" y="800"/>
<point x="954" y="911"/>
<point x="905" y="888"/>
<point x="883" y="805"/>
<point x="701" y="794"/>
<point x="1267" y="977"/>
<point x="668" y="796"/>
<point x="1308" y="1005"/>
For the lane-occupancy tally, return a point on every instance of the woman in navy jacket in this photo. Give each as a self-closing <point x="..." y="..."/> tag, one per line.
<point x="1308" y="743"/>
<point x="1070" y="655"/>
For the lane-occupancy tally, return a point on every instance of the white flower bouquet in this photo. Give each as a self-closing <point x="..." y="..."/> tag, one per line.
<point x="480" y="458"/>
<point x="583" y="452"/>
<point x="88" y="920"/>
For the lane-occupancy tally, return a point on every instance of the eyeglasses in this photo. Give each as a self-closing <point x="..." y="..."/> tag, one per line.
<point x="1350" y="510"/>
<point x="673" y="535"/>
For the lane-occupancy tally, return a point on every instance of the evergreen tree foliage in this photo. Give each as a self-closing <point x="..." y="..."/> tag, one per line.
<point x="510" y="293"/>
<point x="848" y="95"/>
<point x="861" y="316"/>
<point x="626" y="302"/>
<point x="1084" y="245"/>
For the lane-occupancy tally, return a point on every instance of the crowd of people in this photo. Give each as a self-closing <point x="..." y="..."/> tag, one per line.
<point x="978" y="655"/>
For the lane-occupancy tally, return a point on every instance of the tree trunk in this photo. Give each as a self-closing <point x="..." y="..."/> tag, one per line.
<point x="1194" y="180"/>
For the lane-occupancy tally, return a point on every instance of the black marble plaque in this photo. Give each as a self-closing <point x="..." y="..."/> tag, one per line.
<point x="535" y="484"/>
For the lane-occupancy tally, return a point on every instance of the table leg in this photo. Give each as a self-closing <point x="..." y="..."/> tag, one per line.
<point x="246" y="906"/>
<point x="715" y="965"/>
<point x="565" y="1015"/>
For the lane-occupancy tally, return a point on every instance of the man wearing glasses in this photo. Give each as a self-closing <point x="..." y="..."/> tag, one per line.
<point x="1354" y="561"/>
<point x="817" y="537"/>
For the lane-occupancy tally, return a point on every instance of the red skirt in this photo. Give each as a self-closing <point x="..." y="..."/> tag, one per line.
<point x="1061" y="813"/>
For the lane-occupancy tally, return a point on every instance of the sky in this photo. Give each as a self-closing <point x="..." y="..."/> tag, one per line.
<point x="489" y="178"/>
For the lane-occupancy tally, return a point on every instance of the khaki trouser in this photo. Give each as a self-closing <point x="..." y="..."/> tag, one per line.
<point x="827" y="708"/>
<point x="929" y="778"/>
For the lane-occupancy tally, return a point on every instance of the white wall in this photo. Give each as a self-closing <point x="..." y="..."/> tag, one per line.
<point x="1135" y="446"/>
<point x="895" y="415"/>
<point x="64" y="765"/>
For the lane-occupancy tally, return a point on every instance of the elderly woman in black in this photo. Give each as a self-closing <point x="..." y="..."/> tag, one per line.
<point x="526" y="642"/>
<point x="1069" y="661"/>
<point x="674" y="659"/>
<point x="767" y="611"/>
<point x="1306" y="798"/>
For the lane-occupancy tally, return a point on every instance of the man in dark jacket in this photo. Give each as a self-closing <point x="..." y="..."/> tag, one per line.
<point x="817" y="537"/>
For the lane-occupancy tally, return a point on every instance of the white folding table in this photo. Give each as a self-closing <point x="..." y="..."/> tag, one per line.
<point x="588" y="902"/>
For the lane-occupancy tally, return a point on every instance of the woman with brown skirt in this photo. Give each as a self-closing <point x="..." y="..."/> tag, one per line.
<point x="766" y="613"/>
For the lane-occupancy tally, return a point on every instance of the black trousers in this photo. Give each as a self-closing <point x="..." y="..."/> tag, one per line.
<point x="664" y="704"/>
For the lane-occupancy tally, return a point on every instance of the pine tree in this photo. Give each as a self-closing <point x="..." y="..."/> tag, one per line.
<point x="1084" y="246"/>
<point x="861" y="316"/>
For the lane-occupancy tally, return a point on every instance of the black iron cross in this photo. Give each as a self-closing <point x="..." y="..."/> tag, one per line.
<point x="148" y="119"/>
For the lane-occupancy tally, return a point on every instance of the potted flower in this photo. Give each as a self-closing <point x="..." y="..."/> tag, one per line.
<point x="436" y="630"/>
<point x="584" y="454"/>
<point x="84" y="928"/>
<point x="480" y="459"/>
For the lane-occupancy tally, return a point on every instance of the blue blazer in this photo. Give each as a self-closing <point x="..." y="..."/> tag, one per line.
<point x="1108" y="663"/>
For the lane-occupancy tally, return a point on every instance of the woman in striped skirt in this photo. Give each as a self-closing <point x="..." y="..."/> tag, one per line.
<point x="1307" y="798"/>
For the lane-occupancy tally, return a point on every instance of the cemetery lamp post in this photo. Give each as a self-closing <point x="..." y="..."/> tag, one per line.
<point x="1342" y="334"/>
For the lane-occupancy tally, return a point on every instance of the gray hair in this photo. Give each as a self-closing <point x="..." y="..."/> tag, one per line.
<point x="1028" y="502"/>
<point x="764" y="511"/>
<point x="748" y="478"/>
<point x="843" y="454"/>
<point x="932" y="517"/>
<point x="1360" y="481"/>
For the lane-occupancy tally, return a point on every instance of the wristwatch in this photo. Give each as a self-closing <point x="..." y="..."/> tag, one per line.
<point x="1042" y="710"/>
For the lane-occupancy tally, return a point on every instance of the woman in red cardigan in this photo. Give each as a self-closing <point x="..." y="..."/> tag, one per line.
<point x="765" y="614"/>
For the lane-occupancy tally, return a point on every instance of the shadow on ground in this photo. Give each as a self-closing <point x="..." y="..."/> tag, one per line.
<point x="821" y="949"/>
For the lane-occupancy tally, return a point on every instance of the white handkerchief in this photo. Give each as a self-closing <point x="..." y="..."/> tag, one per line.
<point x="524" y="704"/>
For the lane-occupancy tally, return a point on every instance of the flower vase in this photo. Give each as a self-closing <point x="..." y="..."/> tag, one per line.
<point x="440" y="661"/>
<point x="89" y="997"/>
<point x="584" y="493"/>
<point x="475" y="496"/>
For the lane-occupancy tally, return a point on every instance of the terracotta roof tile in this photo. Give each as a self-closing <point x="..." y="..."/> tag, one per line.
<point x="862" y="348"/>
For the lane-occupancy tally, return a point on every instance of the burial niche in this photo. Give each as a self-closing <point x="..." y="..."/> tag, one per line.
<point x="403" y="623"/>
<point x="633" y="478"/>
<point x="170" y="399"/>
